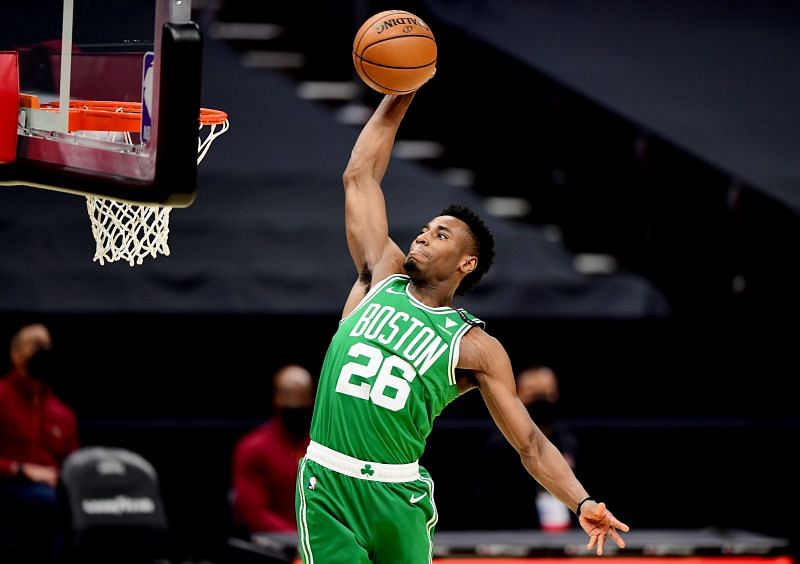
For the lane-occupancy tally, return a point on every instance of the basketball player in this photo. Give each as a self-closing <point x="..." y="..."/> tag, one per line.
<point x="391" y="369"/>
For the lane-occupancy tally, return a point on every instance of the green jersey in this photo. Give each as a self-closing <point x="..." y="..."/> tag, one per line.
<point x="389" y="371"/>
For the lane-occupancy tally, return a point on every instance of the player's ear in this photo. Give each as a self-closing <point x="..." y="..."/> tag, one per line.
<point x="469" y="264"/>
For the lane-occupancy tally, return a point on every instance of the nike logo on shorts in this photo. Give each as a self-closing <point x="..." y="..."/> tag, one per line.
<point x="415" y="499"/>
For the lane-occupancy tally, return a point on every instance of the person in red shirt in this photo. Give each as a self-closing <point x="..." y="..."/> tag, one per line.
<point x="265" y="460"/>
<point x="37" y="432"/>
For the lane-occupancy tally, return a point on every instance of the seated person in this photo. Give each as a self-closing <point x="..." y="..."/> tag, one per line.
<point x="537" y="388"/>
<point x="37" y="432"/>
<point x="265" y="460"/>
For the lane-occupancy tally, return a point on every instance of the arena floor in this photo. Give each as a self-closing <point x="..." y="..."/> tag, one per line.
<point x="655" y="546"/>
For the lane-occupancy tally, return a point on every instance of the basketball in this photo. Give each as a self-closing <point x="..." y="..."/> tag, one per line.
<point x="394" y="52"/>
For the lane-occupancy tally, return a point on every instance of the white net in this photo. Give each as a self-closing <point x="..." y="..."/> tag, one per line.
<point x="215" y="130"/>
<point x="127" y="232"/>
<point x="131" y="232"/>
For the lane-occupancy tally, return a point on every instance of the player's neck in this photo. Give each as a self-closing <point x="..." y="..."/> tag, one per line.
<point x="431" y="294"/>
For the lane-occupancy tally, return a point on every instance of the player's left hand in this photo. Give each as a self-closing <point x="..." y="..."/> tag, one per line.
<point x="599" y="523"/>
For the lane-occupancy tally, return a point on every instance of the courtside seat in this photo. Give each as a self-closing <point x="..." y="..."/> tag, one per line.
<point x="114" y="508"/>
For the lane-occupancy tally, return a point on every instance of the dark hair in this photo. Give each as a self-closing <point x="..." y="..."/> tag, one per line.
<point x="483" y="241"/>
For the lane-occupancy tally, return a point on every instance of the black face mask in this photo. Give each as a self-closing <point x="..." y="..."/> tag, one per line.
<point x="297" y="420"/>
<point x="543" y="412"/>
<point x="40" y="366"/>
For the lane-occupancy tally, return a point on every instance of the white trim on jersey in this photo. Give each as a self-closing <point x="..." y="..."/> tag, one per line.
<point x="455" y="350"/>
<point x="420" y="305"/>
<point x="305" y="541"/>
<point x="431" y="524"/>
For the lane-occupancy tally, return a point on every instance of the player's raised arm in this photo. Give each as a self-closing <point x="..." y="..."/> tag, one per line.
<point x="374" y="254"/>
<point x="488" y="360"/>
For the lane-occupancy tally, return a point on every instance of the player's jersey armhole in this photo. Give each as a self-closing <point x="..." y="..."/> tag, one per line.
<point x="372" y="291"/>
<point x="455" y="349"/>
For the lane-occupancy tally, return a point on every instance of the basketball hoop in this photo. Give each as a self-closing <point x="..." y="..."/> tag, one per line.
<point x="123" y="230"/>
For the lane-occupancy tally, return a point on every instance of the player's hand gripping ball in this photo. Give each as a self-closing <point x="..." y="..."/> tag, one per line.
<point x="394" y="52"/>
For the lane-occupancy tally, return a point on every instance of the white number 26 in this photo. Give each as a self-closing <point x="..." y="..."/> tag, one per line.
<point x="382" y="368"/>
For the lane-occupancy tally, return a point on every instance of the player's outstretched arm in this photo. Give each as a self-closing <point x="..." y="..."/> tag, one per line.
<point x="488" y="360"/>
<point x="374" y="254"/>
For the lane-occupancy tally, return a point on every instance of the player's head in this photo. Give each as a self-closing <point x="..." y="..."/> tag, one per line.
<point x="456" y="243"/>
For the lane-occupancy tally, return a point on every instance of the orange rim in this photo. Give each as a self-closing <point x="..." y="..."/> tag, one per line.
<point x="212" y="117"/>
<point x="102" y="115"/>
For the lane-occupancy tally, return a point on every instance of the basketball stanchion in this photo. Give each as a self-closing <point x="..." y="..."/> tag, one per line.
<point x="125" y="230"/>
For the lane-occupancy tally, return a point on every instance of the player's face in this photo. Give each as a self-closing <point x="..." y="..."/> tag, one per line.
<point x="442" y="248"/>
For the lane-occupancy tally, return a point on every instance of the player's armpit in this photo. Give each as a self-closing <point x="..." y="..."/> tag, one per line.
<point x="391" y="263"/>
<point x="357" y="293"/>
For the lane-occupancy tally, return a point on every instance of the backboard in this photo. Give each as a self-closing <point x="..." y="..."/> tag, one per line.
<point x="146" y="51"/>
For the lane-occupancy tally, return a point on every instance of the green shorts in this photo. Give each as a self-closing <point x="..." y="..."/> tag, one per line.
<point x="348" y="520"/>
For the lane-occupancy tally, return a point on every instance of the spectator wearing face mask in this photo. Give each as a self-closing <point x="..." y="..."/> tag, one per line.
<point x="37" y="432"/>
<point x="265" y="460"/>
<point x="537" y="388"/>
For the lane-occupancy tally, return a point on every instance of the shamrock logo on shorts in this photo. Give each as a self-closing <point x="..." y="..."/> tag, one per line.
<point x="367" y="470"/>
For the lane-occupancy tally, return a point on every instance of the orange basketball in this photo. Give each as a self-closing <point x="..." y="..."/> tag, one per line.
<point x="394" y="52"/>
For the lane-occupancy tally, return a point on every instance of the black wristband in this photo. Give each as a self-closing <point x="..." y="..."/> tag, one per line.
<point x="581" y="502"/>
